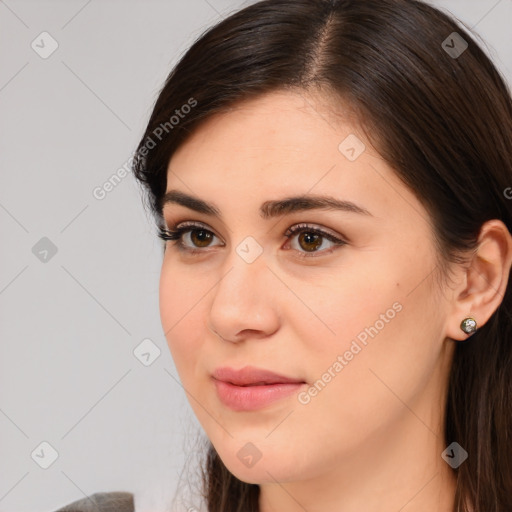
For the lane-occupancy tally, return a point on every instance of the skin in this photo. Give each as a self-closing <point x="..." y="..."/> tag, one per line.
<point x="371" y="439"/>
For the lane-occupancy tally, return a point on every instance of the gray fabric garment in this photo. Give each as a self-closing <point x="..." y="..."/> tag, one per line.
<point x="102" y="502"/>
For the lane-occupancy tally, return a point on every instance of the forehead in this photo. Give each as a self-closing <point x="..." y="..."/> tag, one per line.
<point x="283" y="144"/>
<point x="276" y="136"/>
<point x="274" y="124"/>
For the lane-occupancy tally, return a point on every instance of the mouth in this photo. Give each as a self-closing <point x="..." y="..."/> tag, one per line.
<point x="252" y="376"/>
<point x="252" y="388"/>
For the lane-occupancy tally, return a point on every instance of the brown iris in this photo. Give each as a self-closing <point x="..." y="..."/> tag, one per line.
<point x="311" y="239"/>
<point x="203" y="238"/>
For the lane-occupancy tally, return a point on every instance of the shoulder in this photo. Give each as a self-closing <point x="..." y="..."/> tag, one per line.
<point x="102" y="502"/>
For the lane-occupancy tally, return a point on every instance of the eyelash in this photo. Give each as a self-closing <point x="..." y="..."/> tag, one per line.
<point x="176" y="234"/>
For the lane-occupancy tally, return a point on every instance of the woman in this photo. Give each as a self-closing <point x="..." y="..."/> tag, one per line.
<point x="333" y="179"/>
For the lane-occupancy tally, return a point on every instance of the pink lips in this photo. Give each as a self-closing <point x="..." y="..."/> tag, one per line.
<point x="252" y="388"/>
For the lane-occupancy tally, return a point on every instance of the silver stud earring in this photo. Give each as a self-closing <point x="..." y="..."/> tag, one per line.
<point x="468" y="325"/>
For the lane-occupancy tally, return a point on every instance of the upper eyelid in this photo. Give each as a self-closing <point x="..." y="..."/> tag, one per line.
<point x="190" y="225"/>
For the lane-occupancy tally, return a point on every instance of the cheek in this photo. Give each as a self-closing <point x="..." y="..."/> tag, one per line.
<point x="182" y="317"/>
<point x="344" y="305"/>
<point x="382" y="320"/>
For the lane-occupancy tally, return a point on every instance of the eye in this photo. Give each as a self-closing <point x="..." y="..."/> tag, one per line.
<point x="309" y="239"/>
<point x="194" y="232"/>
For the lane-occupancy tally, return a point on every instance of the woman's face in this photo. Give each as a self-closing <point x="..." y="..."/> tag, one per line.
<point x="360" y="324"/>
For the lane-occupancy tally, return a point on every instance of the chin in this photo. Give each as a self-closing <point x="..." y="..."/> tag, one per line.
<point x="265" y="470"/>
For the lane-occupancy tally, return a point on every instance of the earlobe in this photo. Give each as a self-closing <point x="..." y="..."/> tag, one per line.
<point x="485" y="281"/>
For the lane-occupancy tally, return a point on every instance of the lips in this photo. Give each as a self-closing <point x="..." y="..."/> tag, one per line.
<point x="251" y="376"/>
<point x="250" y="388"/>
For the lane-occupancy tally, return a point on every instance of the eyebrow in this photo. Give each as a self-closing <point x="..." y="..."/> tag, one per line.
<point x="268" y="209"/>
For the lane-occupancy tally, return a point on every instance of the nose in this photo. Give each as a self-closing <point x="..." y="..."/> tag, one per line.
<point x="245" y="302"/>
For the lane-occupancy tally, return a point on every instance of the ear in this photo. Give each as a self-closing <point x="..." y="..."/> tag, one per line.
<point x="483" y="282"/>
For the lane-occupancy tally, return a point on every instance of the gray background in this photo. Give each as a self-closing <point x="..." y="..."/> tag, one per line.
<point x="69" y="325"/>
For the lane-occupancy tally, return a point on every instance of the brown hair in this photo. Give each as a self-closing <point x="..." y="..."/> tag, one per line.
<point x="442" y="121"/>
